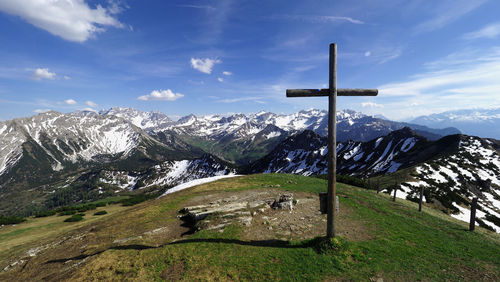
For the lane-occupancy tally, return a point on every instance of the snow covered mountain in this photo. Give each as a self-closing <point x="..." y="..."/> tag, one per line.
<point x="351" y="125"/>
<point x="478" y="122"/>
<point x="146" y="120"/>
<point x="243" y="138"/>
<point x="163" y="175"/>
<point x="453" y="180"/>
<point x="38" y="152"/>
<point x="67" y="138"/>
<point x="88" y="154"/>
<point x="306" y="154"/>
<point x="452" y="169"/>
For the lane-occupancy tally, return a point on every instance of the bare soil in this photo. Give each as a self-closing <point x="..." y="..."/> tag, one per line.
<point x="303" y="222"/>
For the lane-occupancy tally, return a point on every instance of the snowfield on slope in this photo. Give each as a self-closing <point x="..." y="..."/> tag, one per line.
<point x="197" y="182"/>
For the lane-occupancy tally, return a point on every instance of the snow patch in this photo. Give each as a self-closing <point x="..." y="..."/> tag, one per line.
<point x="196" y="182"/>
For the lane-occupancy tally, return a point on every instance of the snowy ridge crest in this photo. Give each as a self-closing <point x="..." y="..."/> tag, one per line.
<point x="74" y="137"/>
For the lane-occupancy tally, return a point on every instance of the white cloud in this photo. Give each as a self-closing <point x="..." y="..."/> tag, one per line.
<point x="490" y="31"/>
<point x="203" y="7"/>
<point x="66" y="77"/>
<point x="371" y="105"/>
<point x="161" y="95"/>
<point x="228" y="73"/>
<point x="39" y="111"/>
<point x="447" y="12"/>
<point x="91" y="104"/>
<point x="242" y="99"/>
<point x="70" y="102"/>
<point x="72" y="20"/>
<point x="318" y="19"/>
<point x="88" y="110"/>
<point x="457" y="81"/>
<point x="43" y="73"/>
<point x="449" y="74"/>
<point x="204" y="65"/>
<point x="116" y="7"/>
<point x="381" y="54"/>
<point x="220" y="79"/>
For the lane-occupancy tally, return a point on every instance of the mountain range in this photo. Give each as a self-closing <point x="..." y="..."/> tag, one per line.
<point x="240" y="138"/>
<point x="477" y="122"/>
<point x="453" y="169"/>
<point x="86" y="155"/>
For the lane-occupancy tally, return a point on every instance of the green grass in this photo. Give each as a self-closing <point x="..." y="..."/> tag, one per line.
<point x="405" y="245"/>
<point x="402" y="244"/>
<point x="103" y="212"/>
<point x="230" y="258"/>
<point x="11" y="219"/>
<point x="74" y="218"/>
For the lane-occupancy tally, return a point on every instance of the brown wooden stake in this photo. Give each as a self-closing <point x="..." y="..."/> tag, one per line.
<point x="332" y="143"/>
<point x="473" y="205"/>
<point x="421" y="198"/>
<point x="332" y="92"/>
<point x="395" y="191"/>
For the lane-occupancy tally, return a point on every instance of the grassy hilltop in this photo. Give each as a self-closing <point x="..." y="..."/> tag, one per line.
<point x="377" y="238"/>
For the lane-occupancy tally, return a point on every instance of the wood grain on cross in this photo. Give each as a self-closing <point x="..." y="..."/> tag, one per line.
<point x="332" y="94"/>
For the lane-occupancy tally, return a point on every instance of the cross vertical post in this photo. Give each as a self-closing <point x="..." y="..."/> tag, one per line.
<point x="332" y="143"/>
<point x="332" y="92"/>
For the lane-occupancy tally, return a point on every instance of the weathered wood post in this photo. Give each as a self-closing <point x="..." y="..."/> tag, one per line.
<point x="473" y="205"/>
<point x="332" y="92"/>
<point x="421" y="198"/>
<point x="332" y="143"/>
<point x="395" y="190"/>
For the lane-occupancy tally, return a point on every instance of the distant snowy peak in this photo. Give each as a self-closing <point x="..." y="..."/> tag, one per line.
<point x="145" y="120"/>
<point x="480" y="122"/>
<point x="68" y="138"/>
<point x="216" y="125"/>
<point x="472" y="115"/>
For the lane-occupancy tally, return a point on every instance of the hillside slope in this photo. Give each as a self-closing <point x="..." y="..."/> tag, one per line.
<point x="378" y="239"/>
<point x="453" y="169"/>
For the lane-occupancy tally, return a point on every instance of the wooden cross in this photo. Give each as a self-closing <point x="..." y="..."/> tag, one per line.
<point x="332" y="94"/>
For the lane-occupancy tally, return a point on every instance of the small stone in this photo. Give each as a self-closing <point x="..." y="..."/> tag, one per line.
<point x="270" y="228"/>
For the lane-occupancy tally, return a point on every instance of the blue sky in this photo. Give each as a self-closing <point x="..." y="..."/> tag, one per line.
<point x="181" y="57"/>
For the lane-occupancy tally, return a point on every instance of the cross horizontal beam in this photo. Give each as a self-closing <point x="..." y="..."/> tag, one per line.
<point x="326" y="92"/>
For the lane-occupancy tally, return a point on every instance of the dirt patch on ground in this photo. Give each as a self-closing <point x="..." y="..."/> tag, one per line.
<point x="304" y="221"/>
<point x="173" y="272"/>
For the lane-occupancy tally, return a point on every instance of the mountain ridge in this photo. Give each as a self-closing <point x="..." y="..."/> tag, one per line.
<point x="477" y="122"/>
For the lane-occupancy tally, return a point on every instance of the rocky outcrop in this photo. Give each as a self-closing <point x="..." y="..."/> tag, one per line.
<point x="220" y="213"/>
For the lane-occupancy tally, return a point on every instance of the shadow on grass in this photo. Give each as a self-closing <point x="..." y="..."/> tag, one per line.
<point x="316" y="244"/>
<point x="255" y="243"/>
